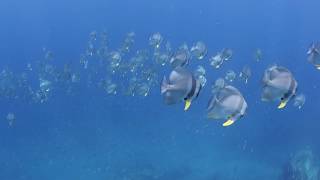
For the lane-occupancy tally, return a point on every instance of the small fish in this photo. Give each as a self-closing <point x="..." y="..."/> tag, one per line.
<point x="143" y="89"/>
<point x="161" y="59"/>
<point x="226" y="54"/>
<point x="216" y="61"/>
<point x="115" y="59"/>
<point x="199" y="50"/>
<point x="245" y="74"/>
<point x="45" y="85"/>
<point x="200" y="71"/>
<point x="155" y="40"/>
<point x="314" y="54"/>
<point x="299" y="101"/>
<point x="180" y="58"/>
<point x="128" y="42"/>
<point x="11" y="118"/>
<point x="258" y="55"/>
<point x="230" y="76"/>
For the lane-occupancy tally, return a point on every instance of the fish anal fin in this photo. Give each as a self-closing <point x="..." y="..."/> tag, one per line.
<point x="187" y="104"/>
<point x="282" y="104"/>
<point x="228" y="122"/>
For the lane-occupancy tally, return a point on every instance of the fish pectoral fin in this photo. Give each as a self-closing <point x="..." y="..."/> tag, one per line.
<point x="228" y="122"/>
<point x="187" y="104"/>
<point x="282" y="104"/>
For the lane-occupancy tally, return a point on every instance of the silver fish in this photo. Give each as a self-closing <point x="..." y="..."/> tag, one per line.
<point x="299" y="101"/>
<point x="155" y="40"/>
<point x="314" y="54"/>
<point x="245" y="74"/>
<point x="199" y="50"/>
<point x="181" y="57"/>
<point x="230" y="76"/>
<point x="278" y="85"/>
<point x="216" y="61"/>
<point x="180" y="86"/>
<point x="227" y="103"/>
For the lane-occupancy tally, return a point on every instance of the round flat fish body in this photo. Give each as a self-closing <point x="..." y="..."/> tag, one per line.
<point x="178" y="86"/>
<point x="278" y="82"/>
<point x="226" y="103"/>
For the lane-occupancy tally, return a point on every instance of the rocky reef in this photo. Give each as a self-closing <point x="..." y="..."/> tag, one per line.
<point x="303" y="165"/>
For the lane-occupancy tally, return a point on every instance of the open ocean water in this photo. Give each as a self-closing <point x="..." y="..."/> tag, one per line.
<point x="80" y="90"/>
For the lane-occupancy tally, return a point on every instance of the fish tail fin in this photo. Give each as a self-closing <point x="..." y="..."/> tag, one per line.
<point x="164" y="85"/>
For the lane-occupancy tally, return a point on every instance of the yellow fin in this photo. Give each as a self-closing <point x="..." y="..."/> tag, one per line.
<point x="282" y="104"/>
<point x="187" y="105"/>
<point x="228" y="122"/>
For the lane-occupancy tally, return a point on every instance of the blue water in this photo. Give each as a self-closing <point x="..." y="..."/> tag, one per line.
<point x="93" y="136"/>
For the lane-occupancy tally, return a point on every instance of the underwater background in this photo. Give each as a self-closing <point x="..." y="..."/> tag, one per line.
<point x="85" y="133"/>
